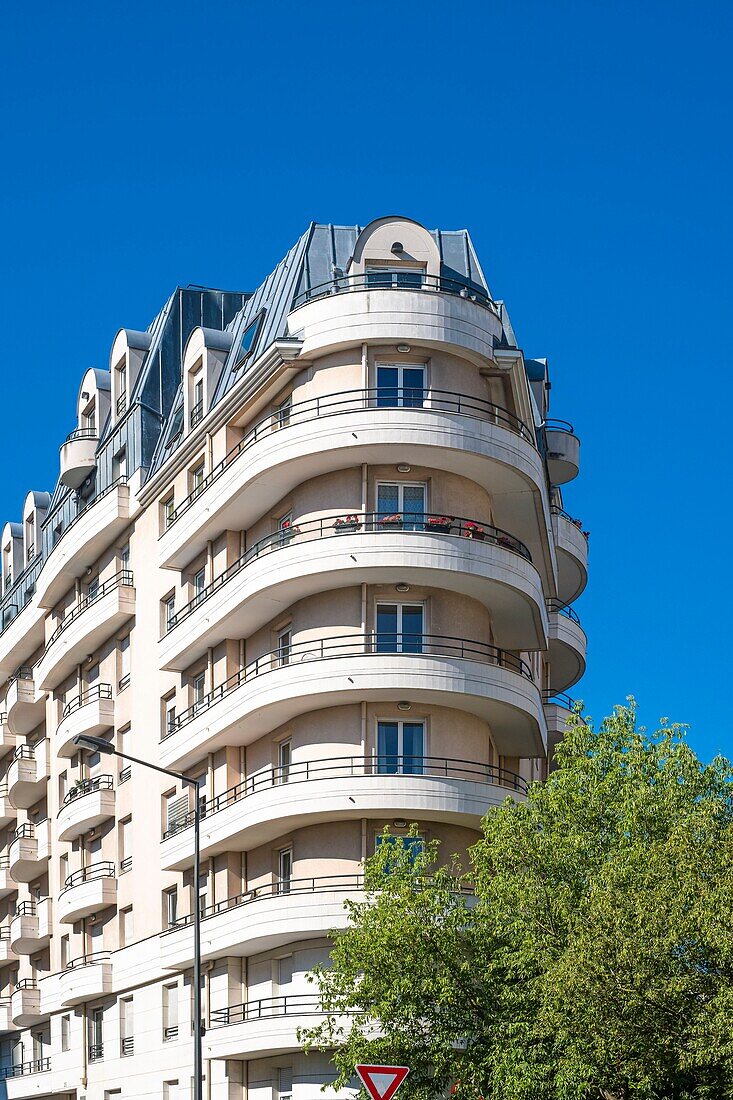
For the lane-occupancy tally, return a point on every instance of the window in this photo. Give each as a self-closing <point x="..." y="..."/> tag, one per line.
<point x="283" y="761"/>
<point x="284" y="646"/>
<point x="124" y="740"/>
<point x="170" y="899"/>
<point x="64" y="952"/>
<point x="127" y="1042"/>
<point x="170" y="1012"/>
<point x="415" y="845"/>
<point x="63" y="786"/>
<point x="284" y="975"/>
<point x="198" y="583"/>
<point x="96" y="1035"/>
<point x="169" y="715"/>
<point x="63" y="867"/>
<point x="407" y="501"/>
<point x="170" y="1090"/>
<point x="168" y="604"/>
<point x="196" y="480"/>
<point x="399" y="628"/>
<point x="176" y="812"/>
<point x="124" y="648"/>
<point x="246" y="344"/>
<point x="400" y="747"/>
<point x="284" y="870"/>
<point x="285" y="1083"/>
<point x="126" y="927"/>
<point x="168" y="508"/>
<point x="66" y="1030"/>
<point x="281" y="418"/>
<point x="125" y="556"/>
<point x="285" y="527"/>
<point x="202" y="892"/>
<point x="197" y="399"/>
<point x="405" y="276"/>
<point x="89" y="416"/>
<point x="121" y="388"/>
<point x="400" y="386"/>
<point x="30" y="538"/>
<point x="198" y="688"/>
<point x="126" y="844"/>
<point x="119" y="464"/>
<point x="92" y="589"/>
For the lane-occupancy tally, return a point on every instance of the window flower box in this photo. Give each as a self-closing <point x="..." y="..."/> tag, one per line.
<point x="391" y="521"/>
<point x="347" y="523"/>
<point x="441" y="524"/>
<point x="288" y="531"/>
<point x="473" y="531"/>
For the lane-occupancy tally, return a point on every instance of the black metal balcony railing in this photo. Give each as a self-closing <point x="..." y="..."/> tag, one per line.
<point x="125" y="773"/>
<point x="25" y="983"/>
<point x="4" y="932"/>
<point x="4" y="862"/>
<point x="27" y="909"/>
<point x="338" y="525"/>
<point x="123" y="682"/>
<point x="30" y="553"/>
<point x="346" y="767"/>
<point x="3" y="790"/>
<point x="556" y="510"/>
<point x="104" y="869"/>
<point x="82" y="433"/>
<point x="563" y="609"/>
<point x="89" y="695"/>
<point x="88" y="786"/>
<point x="121" y="404"/>
<point x="356" y="401"/>
<point x="25" y="672"/>
<point x="27" y="831"/>
<point x="396" y="279"/>
<point x="558" y="698"/>
<point x="170" y="1033"/>
<point x="125" y="864"/>
<point x="290" y="1004"/>
<point x="122" y="579"/>
<point x="127" y="1046"/>
<point x="23" y="752"/>
<point x="85" y="511"/>
<point x="354" y="645"/>
<point x="93" y="959"/>
<point x="96" y="1052"/>
<point x="38" y="1065"/>
<point x="559" y="426"/>
<point x="197" y="413"/>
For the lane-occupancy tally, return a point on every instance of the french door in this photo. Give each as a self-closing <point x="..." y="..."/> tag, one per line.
<point x="399" y="628"/>
<point x="404" y="500"/>
<point x="400" y="748"/>
<point x="400" y="386"/>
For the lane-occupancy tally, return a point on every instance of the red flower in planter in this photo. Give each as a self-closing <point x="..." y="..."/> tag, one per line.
<point x="473" y="530"/>
<point x="391" y="520"/>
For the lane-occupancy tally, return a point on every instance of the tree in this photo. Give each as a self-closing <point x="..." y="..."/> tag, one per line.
<point x="595" y="957"/>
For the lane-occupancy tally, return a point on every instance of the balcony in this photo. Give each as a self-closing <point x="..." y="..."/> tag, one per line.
<point x="567" y="646"/>
<point x="22" y="623"/>
<point x="25" y="1003"/>
<point x="88" y="535"/>
<point x="86" y="979"/>
<point x="24" y="1069"/>
<point x="27" y="775"/>
<point x="8" y="739"/>
<point x="29" y="851"/>
<point x="456" y="555"/>
<point x="92" y="711"/>
<point x="572" y="555"/>
<point x="30" y="928"/>
<point x="86" y="805"/>
<point x="8" y="812"/>
<point x="260" y="808"/>
<point x="448" y="431"/>
<point x="90" y="623"/>
<point x="559" y="708"/>
<point x="563" y="451"/>
<point x="7" y="884"/>
<point x="25" y="707"/>
<point x="6" y="1015"/>
<point x="8" y="956"/>
<point x="321" y="672"/>
<point x="262" y="1027"/>
<point x="87" y="891"/>
<point x="78" y="456"/>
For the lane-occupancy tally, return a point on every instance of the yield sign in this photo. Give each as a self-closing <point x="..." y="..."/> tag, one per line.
<point x="382" y="1082"/>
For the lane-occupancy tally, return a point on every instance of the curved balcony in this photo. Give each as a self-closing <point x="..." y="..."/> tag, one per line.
<point x="336" y="670"/>
<point x="88" y="535"/>
<point x="559" y="709"/>
<point x="85" y="979"/>
<point x="453" y="554"/>
<point x="8" y="812"/>
<point x="86" y="805"/>
<point x="276" y="800"/>
<point x="25" y="1003"/>
<point x="567" y="646"/>
<point x="450" y="431"/>
<point x="8" y="740"/>
<point x="25" y="707"/>
<point x="563" y="451"/>
<point x="29" y="851"/>
<point x="92" y="711"/>
<point x="261" y="1027"/>
<point x="22" y="623"/>
<point x="90" y="623"/>
<point x="87" y="891"/>
<point x="27" y="775"/>
<point x="571" y="543"/>
<point x="78" y="456"/>
<point x="30" y="928"/>
<point x="7" y="953"/>
<point x="8" y="885"/>
<point x="6" y="1015"/>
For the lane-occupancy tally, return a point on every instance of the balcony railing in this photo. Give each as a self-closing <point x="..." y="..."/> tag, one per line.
<point x="290" y="1004"/>
<point x="27" y="908"/>
<point x="23" y="752"/>
<point x="347" y="767"/>
<point x="96" y="1052"/>
<point x="563" y="609"/>
<point x="88" y="786"/>
<point x="25" y="672"/>
<point x="5" y="932"/>
<point x="121" y="579"/>
<point x="356" y="401"/>
<point x="4" y="863"/>
<point x="197" y="413"/>
<point x="170" y="1033"/>
<point x="555" y="510"/>
<point x="92" y="959"/>
<point x="26" y="983"/>
<point x="105" y="869"/>
<point x="559" y="426"/>
<point x="94" y="500"/>
<point x="90" y="695"/>
<point x="38" y="1065"/>
<point x="559" y="699"/>
<point x="121" y="404"/>
<point x="27" y="831"/>
<point x="397" y="279"/>
<point x="125" y="773"/>
<point x="82" y="433"/>
<point x="333" y="526"/>
<point x="127" y="1046"/>
<point x="386" y="643"/>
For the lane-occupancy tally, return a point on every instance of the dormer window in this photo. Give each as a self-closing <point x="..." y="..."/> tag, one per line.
<point x="30" y="537"/>
<point x="121" y="387"/>
<point x="395" y="274"/>
<point x="197" y="398"/>
<point x="89" y="416"/>
<point x="246" y="344"/>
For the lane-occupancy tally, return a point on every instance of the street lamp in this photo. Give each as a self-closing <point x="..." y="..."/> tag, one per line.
<point x="98" y="744"/>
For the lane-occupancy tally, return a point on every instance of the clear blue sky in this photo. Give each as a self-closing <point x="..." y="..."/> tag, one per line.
<point x="586" y="146"/>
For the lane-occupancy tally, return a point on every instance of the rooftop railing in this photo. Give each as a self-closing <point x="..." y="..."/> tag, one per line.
<point x="397" y="279"/>
<point x="364" y="524"/>
<point x="348" y="401"/>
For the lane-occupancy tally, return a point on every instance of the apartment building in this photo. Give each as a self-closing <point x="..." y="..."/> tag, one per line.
<point x="308" y="545"/>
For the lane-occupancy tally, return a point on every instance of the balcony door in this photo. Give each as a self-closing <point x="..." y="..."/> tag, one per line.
<point x="404" y="499"/>
<point x="400" y="748"/>
<point x="400" y="386"/>
<point x="400" y="628"/>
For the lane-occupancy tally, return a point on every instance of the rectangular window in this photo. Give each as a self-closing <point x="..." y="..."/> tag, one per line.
<point x="401" y="505"/>
<point x="124" y="742"/>
<point x="402" y="277"/>
<point x="284" y="646"/>
<point x="168" y="507"/>
<point x="285" y="1083"/>
<point x="400" y="747"/>
<point x="124" y="666"/>
<point x="96" y="1035"/>
<point x="92" y="589"/>
<point x="66" y="1032"/>
<point x="284" y="973"/>
<point x="196" y="480"/>
<point x="125" y="844"/>
<point x="170" y="898"/>
<point x="198" y="584"/>
<point x="282" y="413"/>
<point x="170" y="1012"/>
<point x="89" y="416"/>
<point x="197" y="400"/>
<point x="198" y="689"/>
<point x="283" y="761"/>
<point x="170" y="1090"/>
<point x="119" y="465"/>
<point x="415" y="845"/>
<point x="64" y="952"/>
<point x="399" y="628"/>
<point x="168" y="606"/>
<point x="127" y="934"/>
<point x="176" y="812"/>
<point x="169" y="715"/>
<point x="121" y="388"/>
<point x="284" y="870"/>
<point x="400" y="386"/>
<point x="126" y="1027"/>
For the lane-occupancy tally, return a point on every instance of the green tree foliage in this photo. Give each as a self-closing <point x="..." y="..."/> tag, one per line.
<point x="586" y="951"/>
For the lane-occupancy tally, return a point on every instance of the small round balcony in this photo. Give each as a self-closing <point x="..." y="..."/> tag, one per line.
<point x="8" y="885"/>
<point x="571" y="542"/>
<point x="85" y="979"/>
<point x="25" y="1003"/>
<point x="559" y="710"/>
<point x="8" y="812"/>
<point x="567" y="646"/>
<point x="563" y="451"/>
<point x="6" y="1015"/>
<point x="27" y="775"/>
<point x="29" y="851"/>
<point x="466" y="556"/>
<point x="8" y="740"/>
<point x="78" y="456"/>
<point x="87" y="804"/>
<point x="335" y="670"/>
<point x="92" y="711"/>
<point x="8" y="955"/>
<point x="87" y="891"/>
<point x="25" y="707"/>
<point x="30" y="928"/>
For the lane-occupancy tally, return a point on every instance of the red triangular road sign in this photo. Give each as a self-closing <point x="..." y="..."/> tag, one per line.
<point x="382" y="1082"/>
